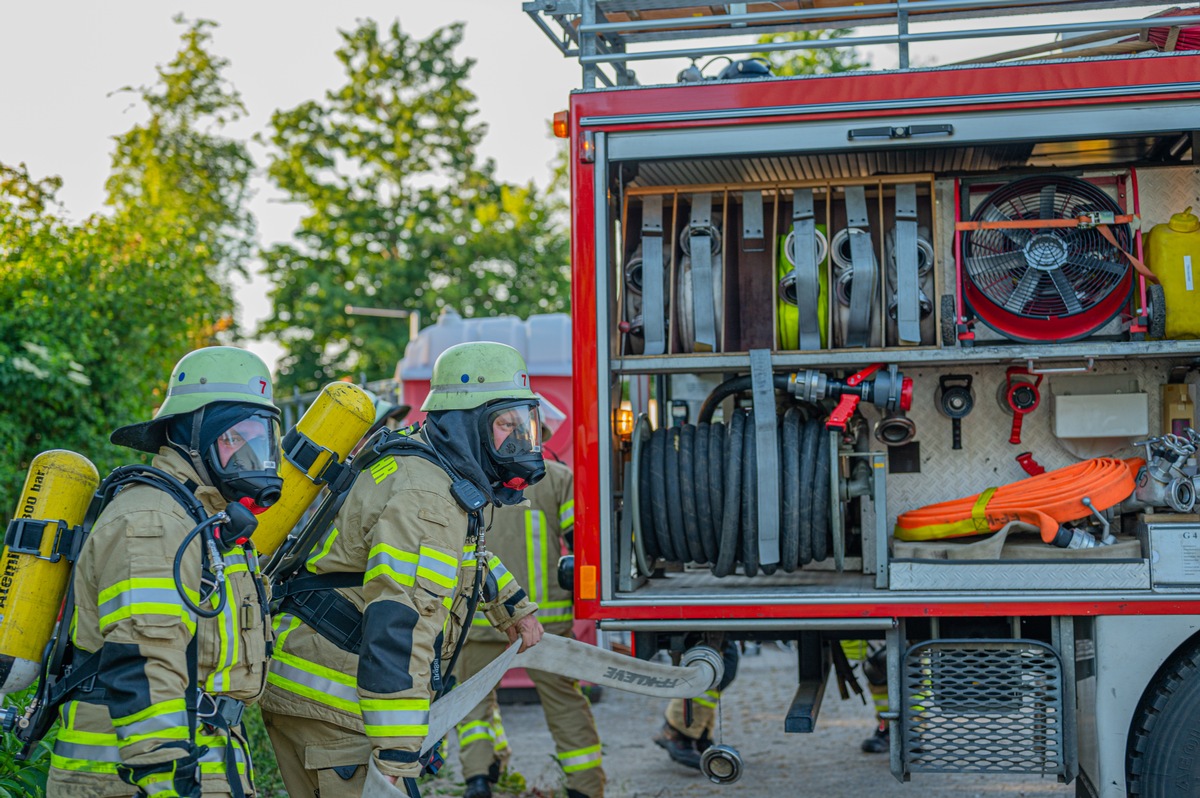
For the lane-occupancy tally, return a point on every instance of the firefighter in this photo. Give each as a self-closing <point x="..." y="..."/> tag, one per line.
<point x="873" y="660"/>
<point x="684" y="742"/>
<point x="162" y="714"/>
<point x="404" y="555"/>
<point x="534" y="536"/>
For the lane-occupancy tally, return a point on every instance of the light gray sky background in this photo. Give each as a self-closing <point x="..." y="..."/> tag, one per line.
<point x="62" y="61"/>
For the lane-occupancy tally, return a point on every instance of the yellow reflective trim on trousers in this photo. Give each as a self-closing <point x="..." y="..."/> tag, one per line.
<point x="326" y="545"/>
<point x="580" y="759"/>
<point x="465" y="740"/>
<point x="501" y="741"/>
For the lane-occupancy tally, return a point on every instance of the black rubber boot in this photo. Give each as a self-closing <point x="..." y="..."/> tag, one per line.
<point x="478" y="787"/>
<point x="576" y="794"/>
<point x="679" y="747"/>
<point x="879" y="742"/>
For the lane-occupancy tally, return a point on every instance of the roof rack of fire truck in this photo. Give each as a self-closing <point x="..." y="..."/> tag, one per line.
<point x="599" y="32"/>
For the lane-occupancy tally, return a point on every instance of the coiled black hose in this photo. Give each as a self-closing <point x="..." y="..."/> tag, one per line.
<point x="700" y="489"/>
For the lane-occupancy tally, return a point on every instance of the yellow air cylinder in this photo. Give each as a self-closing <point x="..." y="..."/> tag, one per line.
<point x="1173" y="254"/>
<point x="339" y="417"/>
<point x="58" y="488"/>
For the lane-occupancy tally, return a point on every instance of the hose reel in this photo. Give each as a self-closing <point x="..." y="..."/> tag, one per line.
<point x="695" y="493"/>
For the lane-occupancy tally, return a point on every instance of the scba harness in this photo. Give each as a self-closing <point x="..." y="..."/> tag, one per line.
<point x="68" y="673"/>
<point x="313" y="598"/>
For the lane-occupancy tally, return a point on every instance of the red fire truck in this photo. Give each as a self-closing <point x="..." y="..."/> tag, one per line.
<point x="905" y="356"/>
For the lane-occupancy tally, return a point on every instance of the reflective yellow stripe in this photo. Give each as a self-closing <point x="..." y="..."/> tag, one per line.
<point x="977" y="524"/>
<point x="566" y="514"/>
<point x="438" y="567"/>
<point x="535" y="546"/>
<point x="144" y="596"/>
<point x="497" y="569"/>
<point x="399" y="566"/>
<point x="580" y="759"/>
<point x="395" y="717"/>
<point x="326" y="545"/>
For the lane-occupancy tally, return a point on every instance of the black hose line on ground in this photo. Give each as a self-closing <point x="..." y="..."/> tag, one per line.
<point x="702" y="487"/>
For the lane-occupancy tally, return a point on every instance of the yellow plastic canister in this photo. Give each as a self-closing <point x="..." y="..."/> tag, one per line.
<point x="339" y="417"/>
<point x="1173" y="254"/>
<point x="58" y="487"/>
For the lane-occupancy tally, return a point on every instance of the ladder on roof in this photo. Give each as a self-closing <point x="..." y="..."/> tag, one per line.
<point x="599" y="32"/>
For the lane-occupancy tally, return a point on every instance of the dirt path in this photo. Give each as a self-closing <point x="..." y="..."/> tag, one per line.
<point x="826" y="763"/>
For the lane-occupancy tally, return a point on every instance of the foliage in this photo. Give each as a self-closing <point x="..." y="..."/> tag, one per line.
<point x="399" y="213"/>
<point x="267" y="778"/>
<point x="97" y="313"/>
<point x="823" y="61"/>
<point x="24" y="779"/>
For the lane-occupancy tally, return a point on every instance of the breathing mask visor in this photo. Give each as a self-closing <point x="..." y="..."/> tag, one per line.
<point x="512" y="438"/>
<point x="244" y="460"/>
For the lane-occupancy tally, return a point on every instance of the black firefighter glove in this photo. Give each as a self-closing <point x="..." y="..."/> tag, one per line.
<point x="183" y="776"/>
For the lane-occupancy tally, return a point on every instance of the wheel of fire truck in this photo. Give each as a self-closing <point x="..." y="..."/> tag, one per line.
<point x="1161" y="754"/>
<point x="1157" y="310"/>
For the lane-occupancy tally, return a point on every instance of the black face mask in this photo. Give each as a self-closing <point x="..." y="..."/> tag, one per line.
<point x="517" y="458"/>
<point x="235" y="447"/>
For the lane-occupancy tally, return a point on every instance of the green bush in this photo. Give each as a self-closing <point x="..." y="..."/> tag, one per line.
<point x="24" y="779"/>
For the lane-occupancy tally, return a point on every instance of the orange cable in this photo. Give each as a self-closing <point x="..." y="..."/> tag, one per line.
<point x="1046" y="501"/>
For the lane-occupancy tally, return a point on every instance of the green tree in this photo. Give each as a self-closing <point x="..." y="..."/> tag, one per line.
<point x="96" y="313"/>
<point x="398" y="210"/>
<point x="823" y="61"/>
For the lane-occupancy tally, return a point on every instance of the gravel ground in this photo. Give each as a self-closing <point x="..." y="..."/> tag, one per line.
<point x="825" y="763"/>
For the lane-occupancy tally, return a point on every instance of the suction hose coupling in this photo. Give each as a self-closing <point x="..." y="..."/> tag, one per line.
<point x="705" y="657"/>
<point x="721" y="763"/>
<point x="895" y="429"/>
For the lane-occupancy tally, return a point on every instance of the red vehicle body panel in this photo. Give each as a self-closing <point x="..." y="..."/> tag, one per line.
<point x="931" y="91"/>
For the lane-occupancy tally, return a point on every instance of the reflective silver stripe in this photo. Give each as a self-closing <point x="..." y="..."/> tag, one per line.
<point x="225" y="387"/>
<point x="395" y="717"/>
<point x="343" y="693"/>
<point x="152" y="725"/>
<point x="440" y="568"/>
<point x="216" y="753"/>
<point x="401" y="566"/>
<point x="96" y="753"/>
<point x="138" y="595"/>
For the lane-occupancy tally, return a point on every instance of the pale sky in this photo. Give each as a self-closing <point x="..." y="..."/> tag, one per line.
<point x="63" y="60"/>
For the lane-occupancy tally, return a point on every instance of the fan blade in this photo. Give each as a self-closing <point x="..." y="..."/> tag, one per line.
<point x="1025" y="291"/>
<point x="1046" y="202"/>
<point x="1066" y="291"/>
<point x="1117" y="270"/>
<point x="997" y="265"/>
<point x="993" y="214"/>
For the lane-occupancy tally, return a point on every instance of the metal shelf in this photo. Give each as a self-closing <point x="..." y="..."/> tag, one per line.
<point x="1078" y="352"/>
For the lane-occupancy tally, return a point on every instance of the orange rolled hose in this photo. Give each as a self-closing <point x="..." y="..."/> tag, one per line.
<point x="1046" y="501"/>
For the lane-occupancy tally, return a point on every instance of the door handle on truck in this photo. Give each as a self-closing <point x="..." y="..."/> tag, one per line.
<point x="902" y="132"/>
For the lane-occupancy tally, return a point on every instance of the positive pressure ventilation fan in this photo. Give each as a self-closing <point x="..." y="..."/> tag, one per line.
<point x="1053" y="283"/>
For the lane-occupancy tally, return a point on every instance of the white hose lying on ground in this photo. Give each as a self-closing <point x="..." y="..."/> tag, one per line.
<point x="701" y="670"/>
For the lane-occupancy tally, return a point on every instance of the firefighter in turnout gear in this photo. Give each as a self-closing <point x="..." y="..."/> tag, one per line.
<point x="530" y="538"/>
<point x="405" y="560"/>
<point x="873" y="661"/>
<point x="175" y="653"/>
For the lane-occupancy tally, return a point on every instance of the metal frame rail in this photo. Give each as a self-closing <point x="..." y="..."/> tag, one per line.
<point x="586" y="30"/>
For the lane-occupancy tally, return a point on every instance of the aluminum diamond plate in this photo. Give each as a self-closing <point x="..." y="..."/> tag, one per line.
<point x="1019" y="576"/>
